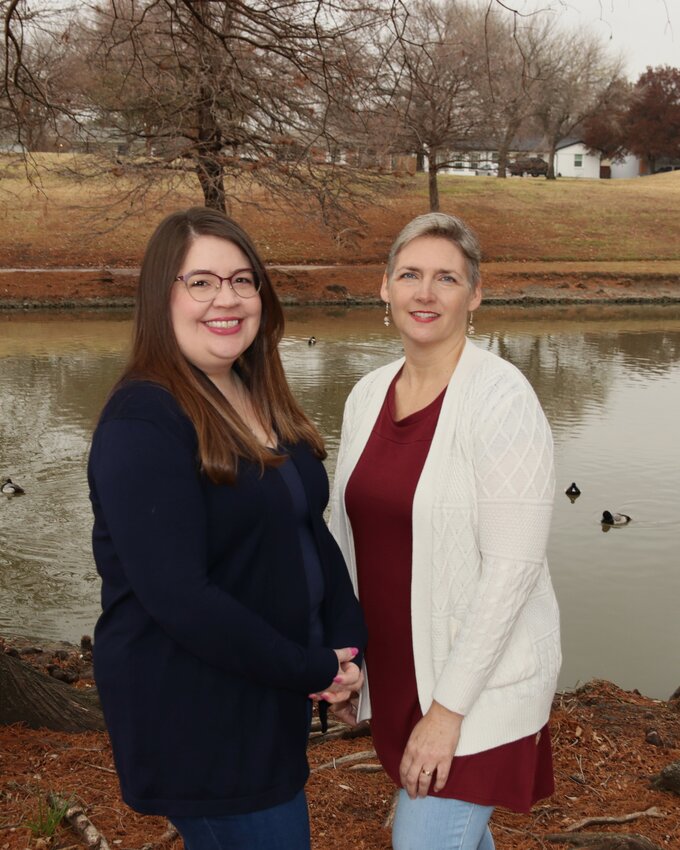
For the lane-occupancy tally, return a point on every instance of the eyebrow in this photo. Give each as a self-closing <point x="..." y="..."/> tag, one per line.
<point x="418" y="269"/>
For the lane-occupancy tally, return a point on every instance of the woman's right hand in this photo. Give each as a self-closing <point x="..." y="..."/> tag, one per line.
<point x="346" y="711"/>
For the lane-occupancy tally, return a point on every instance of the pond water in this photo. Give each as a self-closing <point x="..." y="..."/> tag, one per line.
<point x="609" y="381"/>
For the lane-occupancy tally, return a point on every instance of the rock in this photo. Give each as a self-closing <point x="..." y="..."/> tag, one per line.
<point x="675" y="695"/>
<point x="668" y="779"/>
<point x="62" y="675"/>
<point x="653" y="737"/>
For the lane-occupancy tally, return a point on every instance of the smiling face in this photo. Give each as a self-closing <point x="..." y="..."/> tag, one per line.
<point x="212" y="335"/>
<point x="429" y="293"/>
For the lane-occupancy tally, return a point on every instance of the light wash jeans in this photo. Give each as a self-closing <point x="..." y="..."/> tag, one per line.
<point x="435" y="823"/>
<point x="283" y="827"/>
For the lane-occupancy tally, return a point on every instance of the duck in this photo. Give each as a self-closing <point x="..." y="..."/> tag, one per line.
<point x="311" y="340"/>
<point x="572" y="491"/>
<point x="609" y="518"/>
<point x="9" y="488"/>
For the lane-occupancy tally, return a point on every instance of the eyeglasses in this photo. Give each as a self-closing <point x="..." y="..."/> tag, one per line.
<point x="204" y="285"/>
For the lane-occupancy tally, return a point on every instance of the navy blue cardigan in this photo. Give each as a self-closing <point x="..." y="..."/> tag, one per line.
<point x="201" y="652"/>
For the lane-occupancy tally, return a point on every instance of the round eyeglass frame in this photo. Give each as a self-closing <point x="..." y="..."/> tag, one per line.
<point x="185" y="280"/>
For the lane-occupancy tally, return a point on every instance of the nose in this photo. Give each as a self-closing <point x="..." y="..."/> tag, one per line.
<point x="226" y="295"/>
<point x="425" y="290"/>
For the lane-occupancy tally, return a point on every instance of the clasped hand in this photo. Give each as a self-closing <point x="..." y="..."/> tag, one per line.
<point x="347" y="681"/>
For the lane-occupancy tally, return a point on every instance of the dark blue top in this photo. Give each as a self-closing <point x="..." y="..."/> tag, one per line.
<point x="202" y="653"/>
<point x="310" y="554"/>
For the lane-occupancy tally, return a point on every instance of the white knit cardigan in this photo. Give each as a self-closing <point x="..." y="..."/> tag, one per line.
<point x="484" y="617"/>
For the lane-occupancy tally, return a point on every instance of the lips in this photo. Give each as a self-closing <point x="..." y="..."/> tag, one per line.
<point x="222" y="324"/>
<point x="424" y="315"/>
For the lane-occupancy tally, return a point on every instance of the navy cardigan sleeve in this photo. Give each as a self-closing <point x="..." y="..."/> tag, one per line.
<point x="144" y="480"/>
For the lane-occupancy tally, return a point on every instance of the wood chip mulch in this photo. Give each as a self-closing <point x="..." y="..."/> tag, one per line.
<point x="608" y="744"/>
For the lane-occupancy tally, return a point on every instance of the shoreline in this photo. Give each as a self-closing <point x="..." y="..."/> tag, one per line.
<point x="528" y="283"/>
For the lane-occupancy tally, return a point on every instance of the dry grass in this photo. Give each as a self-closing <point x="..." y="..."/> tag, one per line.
<point x="74" y="212"/>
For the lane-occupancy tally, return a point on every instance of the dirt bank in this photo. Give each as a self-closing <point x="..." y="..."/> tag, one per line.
<point x="516" y="282"/>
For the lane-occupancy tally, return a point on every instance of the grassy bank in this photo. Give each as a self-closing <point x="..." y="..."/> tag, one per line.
<point x="71" y="217"/>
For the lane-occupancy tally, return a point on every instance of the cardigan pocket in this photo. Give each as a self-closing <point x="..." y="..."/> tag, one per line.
<point x="518" y="661"/>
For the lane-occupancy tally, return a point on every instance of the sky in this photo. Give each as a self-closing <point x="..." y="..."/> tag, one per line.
<point x="645" y="32"/>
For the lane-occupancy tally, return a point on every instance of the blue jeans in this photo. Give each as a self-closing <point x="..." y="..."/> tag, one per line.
<point x="283" y="827"/>
<point x="436" y="823"/>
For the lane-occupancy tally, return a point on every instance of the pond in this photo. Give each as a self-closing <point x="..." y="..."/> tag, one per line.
<point x="609" y="381"/>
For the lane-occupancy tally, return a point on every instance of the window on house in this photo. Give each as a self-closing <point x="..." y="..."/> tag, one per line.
<point x="578" y="160"/>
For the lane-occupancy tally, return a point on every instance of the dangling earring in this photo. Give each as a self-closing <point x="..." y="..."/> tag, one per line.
<point x="470" y="327"/>
<point x="386" y="319"/>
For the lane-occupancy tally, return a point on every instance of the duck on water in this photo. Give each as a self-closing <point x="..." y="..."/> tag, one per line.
<point x="609" y="518"/>
<point x="10" y="488"/>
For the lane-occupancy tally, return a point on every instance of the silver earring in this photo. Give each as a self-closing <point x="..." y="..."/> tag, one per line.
<point x="386" y="319"/>
<point x="470" y="327"/>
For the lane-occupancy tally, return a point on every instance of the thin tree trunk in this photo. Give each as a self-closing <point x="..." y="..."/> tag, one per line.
<point x="432" y="181"/>
<point x="551" y="162"/>
<point x="504" y="149"/>
<point x="30" y="697"/>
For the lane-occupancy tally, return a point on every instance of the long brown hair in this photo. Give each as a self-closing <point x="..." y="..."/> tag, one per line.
<point x="156" y="356"/>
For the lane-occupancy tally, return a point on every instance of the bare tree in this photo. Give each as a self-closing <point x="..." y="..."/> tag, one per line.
<point x="429" y="84"/>
<point x="576" y="74"/>
<point x="34" y="104"/>
<point x="511" y="81"/>
<point x="230" y="91"/>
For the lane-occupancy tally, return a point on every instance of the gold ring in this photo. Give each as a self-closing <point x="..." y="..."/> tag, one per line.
<point x="426" y="772"/>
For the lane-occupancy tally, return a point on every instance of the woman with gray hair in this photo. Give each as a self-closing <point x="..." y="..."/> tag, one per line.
<point x="441" y="506"/>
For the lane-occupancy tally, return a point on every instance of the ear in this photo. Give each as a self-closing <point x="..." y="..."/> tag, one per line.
<point x="475" y="298"/>
<point x="384" y="291"/>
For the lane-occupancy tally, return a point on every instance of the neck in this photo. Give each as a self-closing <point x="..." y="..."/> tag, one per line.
<point x="431" y="366"/>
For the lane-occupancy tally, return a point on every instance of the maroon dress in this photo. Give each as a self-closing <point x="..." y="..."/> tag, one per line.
<point x="379" y="501"/>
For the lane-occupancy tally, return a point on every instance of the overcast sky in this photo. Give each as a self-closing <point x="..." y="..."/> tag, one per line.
<point x="645" y="32"/>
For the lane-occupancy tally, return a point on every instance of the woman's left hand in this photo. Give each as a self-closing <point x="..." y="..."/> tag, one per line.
<point x="349" y="680"/>
<point x="429" y="751"/>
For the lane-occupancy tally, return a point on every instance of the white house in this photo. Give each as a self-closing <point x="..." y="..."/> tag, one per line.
<point x="628" y="167"/>
<point x="573" y="159"/>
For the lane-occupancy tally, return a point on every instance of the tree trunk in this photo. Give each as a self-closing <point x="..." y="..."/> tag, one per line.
<point x="551" y="162"/>
<point x="504" y="148"/>
<point x="432" y="181"/>
<point x="211" y="177"/>
<point x="502" y="162"/>
<point x="420" y="161"/>
<point x="30" y="697"/>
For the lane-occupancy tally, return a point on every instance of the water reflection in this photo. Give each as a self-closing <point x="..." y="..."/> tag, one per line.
<point x="609" y="380"/>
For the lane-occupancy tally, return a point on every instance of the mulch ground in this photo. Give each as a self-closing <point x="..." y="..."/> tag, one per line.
<point x="608" y="744"/>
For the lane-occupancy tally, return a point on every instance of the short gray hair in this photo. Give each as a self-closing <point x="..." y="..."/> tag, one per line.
<point x="442" y="226"/>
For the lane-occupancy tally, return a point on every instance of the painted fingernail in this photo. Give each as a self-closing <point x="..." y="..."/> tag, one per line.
<point x="354" y="651"/>
<point x="338" y="679"/>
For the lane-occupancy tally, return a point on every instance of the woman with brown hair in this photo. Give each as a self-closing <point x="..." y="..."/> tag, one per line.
<point x="226" y="602"/>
